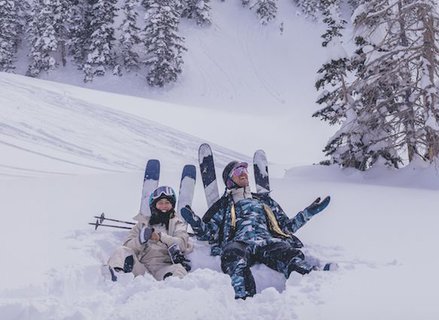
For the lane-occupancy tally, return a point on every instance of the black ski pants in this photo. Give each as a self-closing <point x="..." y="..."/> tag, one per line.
<point x="238" y="257"/>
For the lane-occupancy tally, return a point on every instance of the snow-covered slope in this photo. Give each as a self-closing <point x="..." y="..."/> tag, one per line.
<point x="80" y="136"/>
<point x="67" y="156"/>
<point x="235" y="65"/>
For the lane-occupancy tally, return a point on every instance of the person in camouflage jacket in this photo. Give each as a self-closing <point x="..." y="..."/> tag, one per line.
<point x="245" y="228"/>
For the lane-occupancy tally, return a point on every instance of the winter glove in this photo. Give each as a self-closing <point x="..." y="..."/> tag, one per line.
<point x="317" y="206"/>
<point x="178" y="257"/>
<point x="302" y="217"/>
<point x="190" y="217"/>
<point x="145" y="234"/>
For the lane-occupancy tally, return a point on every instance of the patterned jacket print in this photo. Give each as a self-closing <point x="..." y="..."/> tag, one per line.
<point x="258" y="220"/>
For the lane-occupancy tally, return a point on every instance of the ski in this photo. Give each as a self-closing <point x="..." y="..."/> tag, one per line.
<point x="208" y="175"/>
<point x="150" y="183"/>
<point x="187" y="187"/>
<point x="260" y="169"/>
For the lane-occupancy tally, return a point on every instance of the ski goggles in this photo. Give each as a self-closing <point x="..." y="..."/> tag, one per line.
<point x="239" y="169"/>
<point x="163" y="191"/>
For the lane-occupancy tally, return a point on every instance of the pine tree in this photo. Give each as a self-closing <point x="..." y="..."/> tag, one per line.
<point x="48" y="36"/>
<point x="163" y="45"/>
<point x="10" y="34"/>
<point x="426" y="74"/>
<point x="345" y="147"/>
<point x="197" y="10"/>
<point x="266" y="10"/>
<point x="393" y="98"/>
<point x="100" y="38"/>
<point x="129" y="35"/>
<point x="43" y="38"/>
<point x="77" y="36"/>
<point x="310" y="8"/>
<point x="60" y="11"/>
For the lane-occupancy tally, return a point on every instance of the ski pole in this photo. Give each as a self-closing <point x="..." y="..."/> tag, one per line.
<point x="97" y="224"/>
<point x="102" y="218"/>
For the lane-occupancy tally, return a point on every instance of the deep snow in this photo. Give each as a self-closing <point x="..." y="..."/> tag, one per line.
<point x="69" y="153"/>
<point x="66" y="157"/>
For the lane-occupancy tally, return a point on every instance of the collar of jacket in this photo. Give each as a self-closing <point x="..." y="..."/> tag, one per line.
<point x="240" y="193"/>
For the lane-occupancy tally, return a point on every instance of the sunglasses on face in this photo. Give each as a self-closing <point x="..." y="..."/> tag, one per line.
<point x="239" y="171"/>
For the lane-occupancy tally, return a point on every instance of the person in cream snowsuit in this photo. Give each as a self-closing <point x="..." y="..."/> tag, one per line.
<point x="156" y="244"/>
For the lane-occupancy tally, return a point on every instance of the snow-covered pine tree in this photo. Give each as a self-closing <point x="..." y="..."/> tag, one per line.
<point x="10" y="34"/>
<point x="100" y="31"/>
<point x="129" y="35"/>
<point x="145" y="4"/>
<point x="353" y="4"/>
<point x="346" y="146"/>
<point x="266" y="10"/>
<point x="197" y="10"/>
<point x="404" y="68"/>
<point x="395" y="99"/>
<point x="76" y="22"/>
<point x="60" y="11"/>
<point x="425" y="62"/>
<point x="163" y="45"/>
<point x="310" y="8"/>
<point x="43" y="37"/>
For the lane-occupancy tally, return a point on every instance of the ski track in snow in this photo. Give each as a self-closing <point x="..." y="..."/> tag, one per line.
<point x="66" y="129"/>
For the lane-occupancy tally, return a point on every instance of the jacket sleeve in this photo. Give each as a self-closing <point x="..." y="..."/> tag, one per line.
<point x="133" y="240"/>
<point x="179" y="236"/>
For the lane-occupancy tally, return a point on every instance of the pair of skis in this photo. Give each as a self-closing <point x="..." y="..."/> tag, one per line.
<point x="187" y="183"/>
<point x="208" y="175"/>
<point x="151" y="182"/>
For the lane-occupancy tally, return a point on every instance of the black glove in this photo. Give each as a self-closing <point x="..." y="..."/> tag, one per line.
<point x="178" y="257"/>
<point x="189" y="216"/>
<point x="145" y="234"/>
<point x="317" y="206"/>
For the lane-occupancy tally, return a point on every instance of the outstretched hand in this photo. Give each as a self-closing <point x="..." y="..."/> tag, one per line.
<point x="318" y="205"/>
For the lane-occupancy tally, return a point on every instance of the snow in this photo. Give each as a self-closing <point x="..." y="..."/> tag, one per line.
<point x="69" y="153"/>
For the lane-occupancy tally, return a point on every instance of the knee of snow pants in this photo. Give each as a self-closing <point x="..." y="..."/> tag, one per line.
<point x="174" y="270"/>
<point x="283" y="257"/>
<point x="236" y="262"/>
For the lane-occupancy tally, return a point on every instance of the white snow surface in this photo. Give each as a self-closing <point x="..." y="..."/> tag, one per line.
<point x="69" y="153"/>
<point x="66" y="157"/>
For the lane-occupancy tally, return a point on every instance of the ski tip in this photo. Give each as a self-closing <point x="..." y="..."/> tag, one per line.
<point x="152" y="170"/>
<point x="190" y="171"/>
<point x="204" y="145"/>
<point x="153" y="162"/>
<point x="259" y="154"/>
<point x="204" y="149"/>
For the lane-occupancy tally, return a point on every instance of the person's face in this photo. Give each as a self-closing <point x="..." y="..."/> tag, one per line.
<point x="240" y="176"/>
<point x="163" y="205"/>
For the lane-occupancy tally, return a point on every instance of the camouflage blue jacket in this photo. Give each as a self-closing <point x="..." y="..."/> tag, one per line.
<point x="259" y="220"/>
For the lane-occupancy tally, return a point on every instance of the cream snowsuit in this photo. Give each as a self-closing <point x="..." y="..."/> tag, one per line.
<point x="154" y="254"/>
